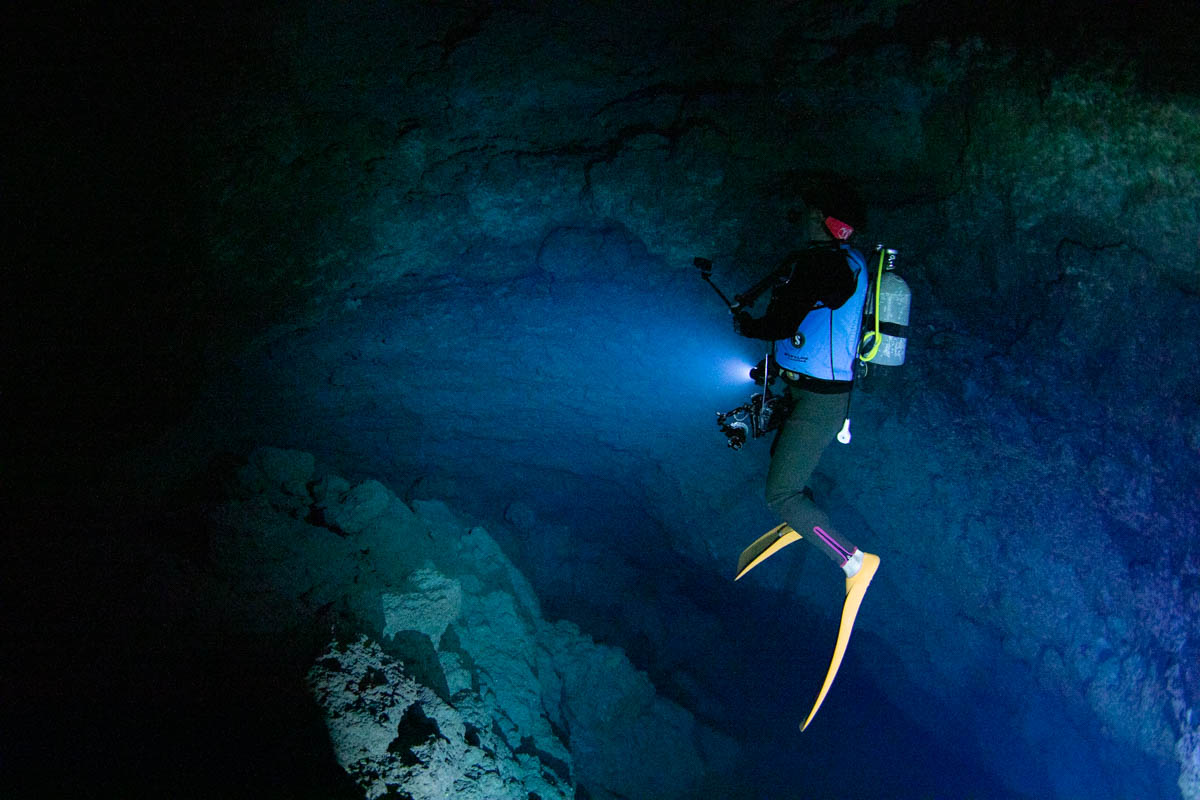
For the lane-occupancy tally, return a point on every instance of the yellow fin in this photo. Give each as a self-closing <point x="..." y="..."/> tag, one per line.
<point x="766" y="546"/>
<point x="856" y="589"/>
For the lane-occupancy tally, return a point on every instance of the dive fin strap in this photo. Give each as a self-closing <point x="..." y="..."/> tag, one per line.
<point x="766" y="546"/>
<point x="856" y="589"/>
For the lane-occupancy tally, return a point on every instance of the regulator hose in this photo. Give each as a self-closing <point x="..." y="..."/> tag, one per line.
<point x="877" y="340"/>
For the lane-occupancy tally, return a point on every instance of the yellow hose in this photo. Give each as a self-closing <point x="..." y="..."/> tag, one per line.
<point x="878" y="339"/>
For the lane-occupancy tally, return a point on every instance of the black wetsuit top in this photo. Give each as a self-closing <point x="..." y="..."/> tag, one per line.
<point x="818" y="274"/>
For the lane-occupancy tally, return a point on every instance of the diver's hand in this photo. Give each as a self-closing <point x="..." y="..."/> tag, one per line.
<point x="740" y="318"/>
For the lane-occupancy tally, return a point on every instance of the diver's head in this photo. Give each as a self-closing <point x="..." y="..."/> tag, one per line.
<point x="816" y="227"/>
<point x="834" y="210"/>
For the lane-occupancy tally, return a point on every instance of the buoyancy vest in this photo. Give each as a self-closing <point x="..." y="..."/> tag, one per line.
<point x="825" y="344"/>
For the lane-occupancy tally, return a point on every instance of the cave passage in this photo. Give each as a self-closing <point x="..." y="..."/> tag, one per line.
<point x="381" y="320"/>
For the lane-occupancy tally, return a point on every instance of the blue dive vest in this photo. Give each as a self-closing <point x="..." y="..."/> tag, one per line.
<point x="826" y="343"/>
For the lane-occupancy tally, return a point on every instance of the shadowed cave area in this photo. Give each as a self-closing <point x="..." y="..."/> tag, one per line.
<point x="362" y="422"/>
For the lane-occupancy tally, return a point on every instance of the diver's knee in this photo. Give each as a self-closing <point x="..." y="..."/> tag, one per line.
<point x="780" y="498"/>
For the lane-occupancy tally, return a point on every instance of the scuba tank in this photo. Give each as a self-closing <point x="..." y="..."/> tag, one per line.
<point x="885" y="325"/>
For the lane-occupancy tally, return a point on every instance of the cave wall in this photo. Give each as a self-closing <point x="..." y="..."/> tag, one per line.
<point x="488" y="227"/>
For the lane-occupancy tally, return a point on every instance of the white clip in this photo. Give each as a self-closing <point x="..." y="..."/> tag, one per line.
<point x="844" y="433"/>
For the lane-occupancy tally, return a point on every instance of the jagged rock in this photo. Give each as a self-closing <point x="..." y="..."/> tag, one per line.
<point x="329" y="489"/>
<point x="480" y="550"/>
<point x="397" y="738"/>
<point x="460" y="687"/>
<point x="502" y="642"/>
<point x="1187" y="749"/>
<point x="357" y="508"/>
<point x="617" y="721"/>
<point x="435" y="602"/>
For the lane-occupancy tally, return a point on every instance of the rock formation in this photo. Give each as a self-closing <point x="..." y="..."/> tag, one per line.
<point x="444" y="678"/>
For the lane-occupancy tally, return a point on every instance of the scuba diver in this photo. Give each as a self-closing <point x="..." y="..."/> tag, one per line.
<point x="814" y="317"/>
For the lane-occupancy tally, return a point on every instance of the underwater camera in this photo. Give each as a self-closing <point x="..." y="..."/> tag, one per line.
<point x="763" y="413"/>
<point x="753" y="419"/>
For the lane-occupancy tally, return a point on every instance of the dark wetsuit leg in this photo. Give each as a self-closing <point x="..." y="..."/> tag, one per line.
<point x="813" y="425"/>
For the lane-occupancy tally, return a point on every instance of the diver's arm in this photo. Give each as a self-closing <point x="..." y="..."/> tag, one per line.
<point x="775" y="277"/>
<point x="818" y="277"/>
<point x="785" y="312"/>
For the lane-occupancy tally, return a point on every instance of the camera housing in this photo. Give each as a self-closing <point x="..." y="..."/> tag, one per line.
<point x="761" y="415"/>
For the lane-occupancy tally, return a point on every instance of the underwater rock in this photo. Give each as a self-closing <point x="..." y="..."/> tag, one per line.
<point x="435" y="603"/>
<point x="617" y="720"/>
<point x="397" y="738"/>
<point x="456" y="685"/>
<point x="358" y="507"/>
